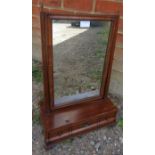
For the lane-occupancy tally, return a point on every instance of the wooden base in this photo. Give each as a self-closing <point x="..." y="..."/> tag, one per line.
<point x="78" y="119"/>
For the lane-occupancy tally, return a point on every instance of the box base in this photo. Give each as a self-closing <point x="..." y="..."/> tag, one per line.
<point x="76" y="120"/>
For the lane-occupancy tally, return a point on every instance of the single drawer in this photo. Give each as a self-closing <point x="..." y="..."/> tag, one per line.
<point x="60" y="132"/>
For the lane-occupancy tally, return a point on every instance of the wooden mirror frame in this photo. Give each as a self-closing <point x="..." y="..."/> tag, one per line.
<point x="52" y="114"/>
<point x="47" y="54"/>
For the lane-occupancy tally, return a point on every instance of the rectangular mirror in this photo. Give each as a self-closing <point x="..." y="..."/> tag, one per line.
<point x="79" y="50"/>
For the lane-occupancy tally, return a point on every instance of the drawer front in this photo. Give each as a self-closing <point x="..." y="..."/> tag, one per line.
<point x="97" y="122"/>
<point x="106" y="118"/>
<point x="84" y="124"/>
<point x="60" y="132"/>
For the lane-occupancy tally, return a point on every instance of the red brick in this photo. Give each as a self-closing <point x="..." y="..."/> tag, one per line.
<point x="36" y="32"/>
<point x="36" y="40"/>
<point x="36" y="22"/>
<point x="118" y="51"/>
<point x="35" y="10"/>
<point x="52" y="3"/>
<point x="119" y="45"/>
<point x="35" y="19"/>
<point x="109" y="7"/>
<point x="119" y="38"/>
<point x="36" y="25"/>
<point x="120" y="26"/>
<point x="35" y="1"/>
<point x="117" y="65"/>
<point x="82" y="5"/>
<point x="118" y="54"/>
<point x="57" y="11"/>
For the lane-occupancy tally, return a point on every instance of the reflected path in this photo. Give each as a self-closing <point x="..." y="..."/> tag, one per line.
<point x="78" y="60"/>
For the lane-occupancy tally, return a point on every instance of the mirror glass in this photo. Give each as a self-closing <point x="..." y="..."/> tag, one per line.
<point x="79" y="49"/>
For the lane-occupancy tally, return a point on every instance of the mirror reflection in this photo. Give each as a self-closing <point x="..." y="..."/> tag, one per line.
<point x="79" y="49"/>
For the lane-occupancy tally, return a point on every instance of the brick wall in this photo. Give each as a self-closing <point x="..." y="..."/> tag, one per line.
<point x="83" y="6"/>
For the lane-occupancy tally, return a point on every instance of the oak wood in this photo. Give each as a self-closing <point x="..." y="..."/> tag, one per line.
<point x="75" y="120"/>
<point x="49" y="54"/>
<point x="79" y="116"/>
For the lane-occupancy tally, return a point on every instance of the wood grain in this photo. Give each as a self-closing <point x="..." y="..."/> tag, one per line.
<point x="84" y="115"/>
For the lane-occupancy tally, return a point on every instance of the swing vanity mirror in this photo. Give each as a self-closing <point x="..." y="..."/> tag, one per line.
<point x="77" y="54"/>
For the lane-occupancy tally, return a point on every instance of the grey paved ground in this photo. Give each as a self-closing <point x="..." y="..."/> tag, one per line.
<point x="104" y="141"/>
